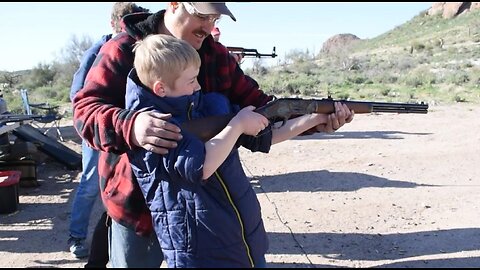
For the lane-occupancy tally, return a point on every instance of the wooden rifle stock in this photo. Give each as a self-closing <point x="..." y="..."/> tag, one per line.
<point x="283" y="109"/>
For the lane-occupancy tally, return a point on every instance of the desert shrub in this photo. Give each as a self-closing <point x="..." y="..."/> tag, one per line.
<point x="419" y="76"/>
<point x="457" y="77"/>
<point x="357" y="79"/>
<point x="54" y="95"/>
<point x="385" y="92"/>
<point x="385" y="78"/>
<point x="475" y="78"/>
<point x="418" y="46"/>
<point x="458" y="98"/>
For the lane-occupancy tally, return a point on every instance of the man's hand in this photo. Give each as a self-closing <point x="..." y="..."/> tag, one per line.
<point x="152" y="132"/>
<point x="238" y="57"/>
<point x="337" y="119"/>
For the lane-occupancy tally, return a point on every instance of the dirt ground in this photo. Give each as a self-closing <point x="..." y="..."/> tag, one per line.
<point x="387" y="190"/>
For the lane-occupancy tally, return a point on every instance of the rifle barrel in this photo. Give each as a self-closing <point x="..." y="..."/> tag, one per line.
<point x="386" y="107"/>
<point x="399" y="107"/>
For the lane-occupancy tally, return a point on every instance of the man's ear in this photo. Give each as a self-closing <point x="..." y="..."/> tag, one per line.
<point x="159" y="88"/>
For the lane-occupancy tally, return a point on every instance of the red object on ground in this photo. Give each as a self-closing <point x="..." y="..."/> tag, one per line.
<point x="9" y="191"/>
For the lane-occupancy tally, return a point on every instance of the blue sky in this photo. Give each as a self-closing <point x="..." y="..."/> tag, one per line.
<point x="35" y="33"/>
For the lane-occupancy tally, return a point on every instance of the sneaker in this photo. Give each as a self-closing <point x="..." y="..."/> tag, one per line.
<point x="78" y="247"/>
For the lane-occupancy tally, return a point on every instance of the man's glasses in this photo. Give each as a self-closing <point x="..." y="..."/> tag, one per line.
<point x="204" y="18"/>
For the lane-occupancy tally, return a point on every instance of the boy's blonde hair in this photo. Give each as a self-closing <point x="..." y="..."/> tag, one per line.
<point x="163" y="58"/>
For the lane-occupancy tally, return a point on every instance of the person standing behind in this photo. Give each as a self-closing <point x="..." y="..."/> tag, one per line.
<point x="100" y="116"/>
<point x="205" y="211"/>
<point x="216" y="36"/>
<point x="88" y="188"/>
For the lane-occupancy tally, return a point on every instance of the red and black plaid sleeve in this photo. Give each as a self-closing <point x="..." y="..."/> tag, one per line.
<point x="98" y="114"/>
<point x="100" y="119"/>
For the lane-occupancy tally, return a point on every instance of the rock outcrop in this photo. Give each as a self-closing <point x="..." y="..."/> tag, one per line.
<point x="338" y="43"/>
<point x="452" y="9"/>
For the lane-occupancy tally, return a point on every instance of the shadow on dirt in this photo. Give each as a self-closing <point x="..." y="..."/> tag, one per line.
<point x="375" y="247"/>
<point x="325" y="180"/>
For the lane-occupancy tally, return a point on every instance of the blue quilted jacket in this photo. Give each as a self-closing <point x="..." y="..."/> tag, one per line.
<point x="213" y="223"/>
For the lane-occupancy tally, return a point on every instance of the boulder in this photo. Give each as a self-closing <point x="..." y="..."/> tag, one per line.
<point x="338" y="43"/>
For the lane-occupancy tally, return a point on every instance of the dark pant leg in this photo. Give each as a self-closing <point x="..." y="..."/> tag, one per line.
<point x="98" y="257"/>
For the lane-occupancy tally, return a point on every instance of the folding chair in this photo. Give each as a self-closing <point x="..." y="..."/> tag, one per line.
<point x="50" y="116"/>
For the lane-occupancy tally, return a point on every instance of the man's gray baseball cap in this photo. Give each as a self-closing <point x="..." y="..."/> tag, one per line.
<point x="209" y="8"/>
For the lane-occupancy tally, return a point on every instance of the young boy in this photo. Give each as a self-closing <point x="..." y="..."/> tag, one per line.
<point x="204" y="210"/>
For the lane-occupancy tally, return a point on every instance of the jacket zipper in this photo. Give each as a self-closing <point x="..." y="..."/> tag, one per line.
<point x="235" y="209"/>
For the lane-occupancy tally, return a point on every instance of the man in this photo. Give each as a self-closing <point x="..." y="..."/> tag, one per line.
<point x="88" y="188"/>
<point x="100" y="117"/>
<point x="216" y="34"/>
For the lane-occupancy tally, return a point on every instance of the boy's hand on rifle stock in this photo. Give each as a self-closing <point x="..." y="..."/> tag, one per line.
<point x="336" y="120"/>
<point x="251" y="122"/>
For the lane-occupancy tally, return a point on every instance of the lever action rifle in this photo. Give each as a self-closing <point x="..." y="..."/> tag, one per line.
<point x="251" y="52"/>
<point x="282" y="109"/>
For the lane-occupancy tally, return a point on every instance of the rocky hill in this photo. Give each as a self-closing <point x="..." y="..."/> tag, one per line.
<point x="337" y="43"/>
<point x="449" y="10"/>
<point x="432" y="57"/>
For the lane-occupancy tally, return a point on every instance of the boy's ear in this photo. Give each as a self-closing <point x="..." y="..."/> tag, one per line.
<point x="159" y="88"/>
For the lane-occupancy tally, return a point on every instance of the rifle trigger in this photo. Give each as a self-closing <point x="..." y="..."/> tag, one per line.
<point x="275" y="125"/>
